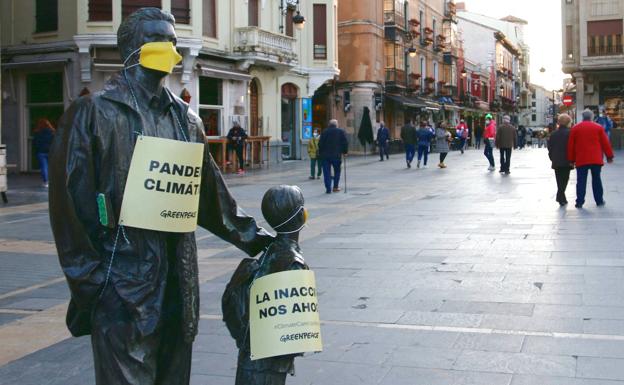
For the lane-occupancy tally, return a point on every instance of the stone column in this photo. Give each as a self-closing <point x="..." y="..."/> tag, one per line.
<point x="580" y="95"/>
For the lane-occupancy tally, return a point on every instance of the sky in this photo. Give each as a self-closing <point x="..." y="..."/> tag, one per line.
<point x="542" y="34"/>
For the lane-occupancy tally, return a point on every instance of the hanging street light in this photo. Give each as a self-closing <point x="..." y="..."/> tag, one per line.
<point x="299" y="21"/>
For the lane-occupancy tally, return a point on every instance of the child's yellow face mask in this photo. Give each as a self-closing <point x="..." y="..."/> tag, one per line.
<point x="159" y="56"/>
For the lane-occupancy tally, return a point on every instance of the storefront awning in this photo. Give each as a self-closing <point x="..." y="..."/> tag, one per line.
<point x="414" y="102"/>
<point x="221" y="73"/>
<point x="34" y="63"/>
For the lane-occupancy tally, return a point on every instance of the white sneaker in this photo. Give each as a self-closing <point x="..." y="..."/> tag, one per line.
<point x="418" y="164"/>
<point x="425" y="166"/>
<point x="491" y="168"/>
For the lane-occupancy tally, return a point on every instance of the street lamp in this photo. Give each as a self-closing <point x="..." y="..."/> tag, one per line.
<point x="411" y="51"/>
<point x="299" y="21"/>
<point x="464" y="73"/>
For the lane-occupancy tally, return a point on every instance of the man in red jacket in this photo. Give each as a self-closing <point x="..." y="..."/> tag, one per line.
<point x="586" y="146"/>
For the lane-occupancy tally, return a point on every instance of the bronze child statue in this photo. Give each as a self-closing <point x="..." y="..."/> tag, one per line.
<point x="283" y="209"/>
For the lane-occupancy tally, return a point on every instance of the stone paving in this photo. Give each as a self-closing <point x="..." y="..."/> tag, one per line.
<point x="425" y="276"/>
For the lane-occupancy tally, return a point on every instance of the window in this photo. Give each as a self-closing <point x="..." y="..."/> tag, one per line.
<point x="252" y="13"/>
<point x="423" y="72"/>
<point x="129" y="6"/>
<point x="181" y="10"/>
<point x="569" y="42"/>
<point x="435" y="77"/>
<point x="211" y="105"/>
<point x="290" y="13"/>
<point x="604" y="37"/>
<point x="534" y="118"/>
<point x="100" y="10"/>
<point x="394" y="12"/>
<point x="46" y="14"/>
<point x="422" y="25"/>
<point x="320" y="31"/>
<point x="209" y="19"/>
<point x="533" y="104"/>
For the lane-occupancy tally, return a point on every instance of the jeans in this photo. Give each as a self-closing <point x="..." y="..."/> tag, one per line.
<point x="423" y="150"/>
<point x="581" y="183"/>
<point x="43" y="165"/>
<point x="462" y="144"/>
<point x="383" y="150"/>
<point x="562" y="175"/>
<point x="328" y="164"/>
<point x="315" y="164"/>
<point x="410" y="151"/>
<point x="488" y="152"/>
<point x="505" y="159"/>
<point x="477" y="142"/>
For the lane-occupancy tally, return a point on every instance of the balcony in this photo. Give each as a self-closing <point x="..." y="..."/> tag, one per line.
<point x="264" y="47"/>
<point x="393" y="18"/>
<point x="395" y="77"/>
<point x="605" y="50"/>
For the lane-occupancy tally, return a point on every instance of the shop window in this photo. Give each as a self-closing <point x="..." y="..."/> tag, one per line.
<point x="129" y="6"/>
<point x="209" y="19"/>
<point x="211" y="105"/>
<point x="181" y="10"/>
<point x="46" y="15"/>
<point x="44" y="102"/>
<point x="604" y="37"/>
<point x="320" y="31"/>
<point x="100" y="10"/>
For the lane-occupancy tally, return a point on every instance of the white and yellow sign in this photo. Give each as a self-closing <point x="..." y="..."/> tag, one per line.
<point x="162" y="189"/>
<point x="283" y="315"/>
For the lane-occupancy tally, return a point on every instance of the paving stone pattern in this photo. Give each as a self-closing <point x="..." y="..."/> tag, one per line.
<point x="425" y="276"/>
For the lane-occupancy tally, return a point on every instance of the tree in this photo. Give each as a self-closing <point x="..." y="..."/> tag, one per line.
<point x="365" y="135"/>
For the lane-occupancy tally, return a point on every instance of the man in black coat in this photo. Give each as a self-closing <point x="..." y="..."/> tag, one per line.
<point x="332" y="146"/>
<point x="558" y="154"/>
<point x="135" y="291"/>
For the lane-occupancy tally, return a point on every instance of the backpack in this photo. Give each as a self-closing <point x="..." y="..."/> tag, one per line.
<point x="235" y="300"/>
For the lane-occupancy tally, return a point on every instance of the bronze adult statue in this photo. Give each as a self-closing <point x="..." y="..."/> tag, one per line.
<point x="135" y="291"/>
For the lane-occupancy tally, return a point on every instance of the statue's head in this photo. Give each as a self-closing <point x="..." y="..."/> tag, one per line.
<point x="283" y="208"/>
<point x="147" y="25"/>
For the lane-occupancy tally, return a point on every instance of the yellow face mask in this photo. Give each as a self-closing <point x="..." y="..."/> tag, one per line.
<point x="159" y="56"/>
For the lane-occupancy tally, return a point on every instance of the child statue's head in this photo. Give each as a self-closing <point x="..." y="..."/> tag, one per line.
<point x="282" y="207"/>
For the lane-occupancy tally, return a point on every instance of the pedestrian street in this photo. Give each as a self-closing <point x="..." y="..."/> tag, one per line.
<point x="425" y="276"/>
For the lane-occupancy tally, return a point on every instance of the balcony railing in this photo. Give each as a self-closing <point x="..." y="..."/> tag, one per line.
<point x="395" y="76"/>
<point x="265" y="46"/>
<point x="605" y="50"/>
<point x="394" y="18"/>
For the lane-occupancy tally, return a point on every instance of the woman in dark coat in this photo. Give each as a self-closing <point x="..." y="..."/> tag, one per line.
<point x="557" y="152"/>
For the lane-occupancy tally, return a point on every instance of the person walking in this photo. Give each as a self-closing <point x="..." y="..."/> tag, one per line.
<point x="442" y="137"/>
<point x="408" y="135"/>
<point x="424" y="134"/>
<point x="558" y="154"/>
<point x="587" y="145"/>
<point x="478" y="136"/>
<point x="506" y="140"/>
<point x="42" y="140"/>
<point x="606" y="123"/>
<point x="488" y="138"/>
<point x="313" y="153"/>
<point x="462" y="133"/>
<point x="521" y="136"/>
<point x="332" y="146"/>
<point x="383" y="137"/>
<point x="236" y="141"/>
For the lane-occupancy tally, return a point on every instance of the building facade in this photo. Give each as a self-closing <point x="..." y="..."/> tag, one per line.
<point x="244" y="61"/>
<point x="398" y="61"/>
<point x="593" y="54"/>
<point x="498" y="46"/>
<point x="541" y="103"/>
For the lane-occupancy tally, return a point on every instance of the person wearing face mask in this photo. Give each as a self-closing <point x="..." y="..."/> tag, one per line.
<point x="134" y="289"/>
<point x="489" y="135"/>
<point x="313" y="153"/>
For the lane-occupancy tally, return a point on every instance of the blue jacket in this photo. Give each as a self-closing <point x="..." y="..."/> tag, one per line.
<point x="383" y="135"/>
<point x="605" y="122"/>
<point x="425" y="136"/>
<point x="333" y="143"/>
<point x="42" y="141"/>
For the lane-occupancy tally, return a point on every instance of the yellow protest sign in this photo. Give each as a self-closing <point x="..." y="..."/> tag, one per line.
<point x="283" y="315"/>
<point x="162" y="189"/>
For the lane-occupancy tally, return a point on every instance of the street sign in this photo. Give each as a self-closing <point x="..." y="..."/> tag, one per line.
<point x="568" y="100"/>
